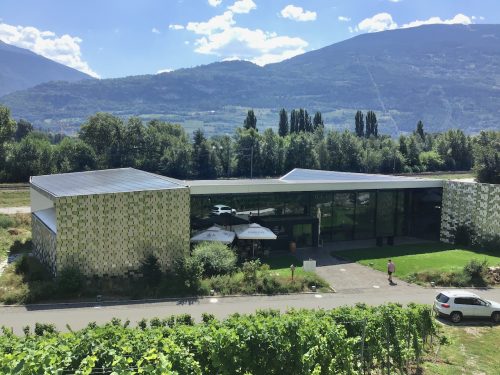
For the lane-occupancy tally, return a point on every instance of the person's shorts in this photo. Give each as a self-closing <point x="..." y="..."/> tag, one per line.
<point x="389" y="273"/>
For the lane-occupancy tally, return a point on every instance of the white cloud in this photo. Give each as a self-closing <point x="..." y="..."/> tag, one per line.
<point x="175" y="27"/>
<point x="217" y="23"/>
<point x="242" y="6"/>
<point x="475" y="18"/>
<point x="63" y="49"/>
<point x="166" y="70"/>
<point x="458" y="19"/>
<point x="343" y="19"/>
<point x="154" y="30"/>
<point x="214" y="3"/>
<point x="221" y="37"/>
<point x="395" y="1"/>
<point x="379" y="22"/>
<point x="297" y="13"/>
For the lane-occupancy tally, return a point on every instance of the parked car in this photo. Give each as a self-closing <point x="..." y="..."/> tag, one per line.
<point x="220" y="209"/>
<point x="458" y="304"/>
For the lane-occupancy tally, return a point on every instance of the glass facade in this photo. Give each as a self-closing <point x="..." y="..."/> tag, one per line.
<point x="309" y="218"/>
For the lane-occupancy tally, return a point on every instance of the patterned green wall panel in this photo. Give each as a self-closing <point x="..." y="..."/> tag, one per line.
<point x="110" y="234"/>
<point x="472" y="204"/>
<point x="44" y="243"/>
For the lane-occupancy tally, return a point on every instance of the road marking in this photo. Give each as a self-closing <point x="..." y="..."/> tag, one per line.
<point x="342" y="269"/>
<point x="318" y="296"/>
<point x="214" y="300"/>
<point x="376" y="286"/>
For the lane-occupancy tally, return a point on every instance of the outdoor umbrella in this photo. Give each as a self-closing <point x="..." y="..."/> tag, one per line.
<point x="214" y="234"/>
<point x="253" y="231"/>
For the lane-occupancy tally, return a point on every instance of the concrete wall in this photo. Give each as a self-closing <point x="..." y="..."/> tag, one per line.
<point x="473" y="204"/>
<point x="44" y="243"/>
<point x="39" y="201"/>
<point x="110" y="234"/>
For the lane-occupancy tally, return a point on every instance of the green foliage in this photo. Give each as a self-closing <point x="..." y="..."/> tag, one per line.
<point x="6" y="221"/>
<point x="464" y="235"/>
<point x="476" y="269"/>
<point x="215" y="257"/>
<point x="268" y="342"/>
<point x="189" y="271"/>
<point x="70" y="280"/>
<point x="487" y="157"/>
<point x="249" y="269"/>
<point x="150" y="270"/>
<point x="250" y="121"/>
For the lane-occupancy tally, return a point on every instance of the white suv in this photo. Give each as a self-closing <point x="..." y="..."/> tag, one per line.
<point x="220" y="209"/>
<point x="457" y="304"/>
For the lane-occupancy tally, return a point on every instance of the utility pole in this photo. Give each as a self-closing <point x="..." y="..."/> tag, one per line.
<point x="251" y="163"/>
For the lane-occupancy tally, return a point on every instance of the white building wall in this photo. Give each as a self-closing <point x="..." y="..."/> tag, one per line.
<point x="39" y="201"/>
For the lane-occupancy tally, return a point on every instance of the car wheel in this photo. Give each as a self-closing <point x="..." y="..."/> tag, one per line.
<point x="456" y="317"/>
<point x="495" y="317"/>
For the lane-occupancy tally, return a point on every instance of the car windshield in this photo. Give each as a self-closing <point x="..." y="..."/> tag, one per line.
<point x="442" y="298"/>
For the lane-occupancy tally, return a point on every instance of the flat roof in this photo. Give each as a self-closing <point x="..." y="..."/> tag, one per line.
<point x="48" y="217"/>
<point x="310" y="180"/>
<point x="104" y="181"/>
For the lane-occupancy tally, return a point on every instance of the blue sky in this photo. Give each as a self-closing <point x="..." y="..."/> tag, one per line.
<point x="116" y="38"/>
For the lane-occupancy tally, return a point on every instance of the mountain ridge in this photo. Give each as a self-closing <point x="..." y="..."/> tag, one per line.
<point x="446" y="75"/>
<point x="21" y="68"/>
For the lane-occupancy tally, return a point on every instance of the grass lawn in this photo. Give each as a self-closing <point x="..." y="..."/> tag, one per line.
<point x="280" y="264"/>
<point x="15" y="233"/>
<point x="411" y="259"/>
<point x="472" y="350"/>
<point x="14" y="198"/>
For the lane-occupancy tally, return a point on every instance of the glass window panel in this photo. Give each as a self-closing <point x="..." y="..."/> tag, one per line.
<point x="386" y="210"/>
<point x="321" y="207"/>
<point x="426" y="213"/>
<point x="365" y="215"/>
<point x="343" y="216"/>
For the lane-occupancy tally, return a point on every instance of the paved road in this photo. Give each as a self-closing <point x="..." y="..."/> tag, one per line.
<point x="79" y="317"/>
<point x="15" y="210"/>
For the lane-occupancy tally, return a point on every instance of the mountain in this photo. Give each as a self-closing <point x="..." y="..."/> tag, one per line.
<point x="21" y="69"/>
<point x="446" y="75"/>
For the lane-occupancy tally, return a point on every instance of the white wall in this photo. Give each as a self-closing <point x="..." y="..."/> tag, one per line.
<point x="39" y="201"/>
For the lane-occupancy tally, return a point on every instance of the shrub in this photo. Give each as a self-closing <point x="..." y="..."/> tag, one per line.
<point x="31" y="269"/>
<point x="150" y="269"/>
<point x="215" y="257"/>
<point x="249" y="270"/>
<point x="43" y="329"/>
<point x="491" y="242"/>
<point x="207" y="318"/>
<point x="464" y="235"/>
<point x="184" y="319"/>
<point x="225" y="284"/>
<point x="189" y="271"/>
<point x="70" y="280"/>
<point x="6" y="221"/>
<point x="476" y="269"/>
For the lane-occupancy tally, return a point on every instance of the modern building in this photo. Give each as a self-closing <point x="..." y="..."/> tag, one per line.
<point x="106" y="221"/>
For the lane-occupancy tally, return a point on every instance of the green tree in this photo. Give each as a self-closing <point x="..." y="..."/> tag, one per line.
<point x="104" y="133"/>
<point x="283" y="124"/>
<point x="302" y="120"/>
<point x="73" y="155"/>
<point x="250" y="121"/>
<point x="23" y="128"/>
<point x="359" y="124"/>
<point x="431" y="160"/>
<point x="301" y="152"/>
<point x="318" y="121"/>
<point x="30" y="157"/>
<point x="413" y="152"/>
<point x="371" y="124"/>
<point x="204" y="160"/>
<point x="248" y="143"/>
<point x="7" y="128"/>
<point x="420" y="130"/>
<point x="487" y="157"/>
<point x="294" y="121"/>
<point x="134" y="143"/>
<point x="270" y="153"/>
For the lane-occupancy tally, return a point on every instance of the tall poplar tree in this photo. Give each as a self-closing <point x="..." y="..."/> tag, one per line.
<point x="250" y="121"/>
<point x="283" y="125"/>
<point x="318" y="121"/>
<point x="359" y="124"/>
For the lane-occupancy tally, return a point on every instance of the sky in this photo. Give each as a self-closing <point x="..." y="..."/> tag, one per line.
<point x="116" y="38"/>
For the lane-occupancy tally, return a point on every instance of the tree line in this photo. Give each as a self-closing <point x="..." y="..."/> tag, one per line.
<point x="107" y="141"/>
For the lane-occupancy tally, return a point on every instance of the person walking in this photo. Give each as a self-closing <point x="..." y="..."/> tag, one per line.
<point x="391" y="268"/>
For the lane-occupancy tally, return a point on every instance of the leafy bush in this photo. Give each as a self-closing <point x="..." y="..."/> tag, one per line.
<point x="189" y="271"/>
<point x="31" y="269"/>
<point x="70" y="280"/>
<point x="490" y="243"/>
<point x="249" y="269"/>
<point x="150" y="270"/>
<point x="476" y="269"/>
<point x="6" y="221"/>
<point x="298" y="342"/>
<point x="43" y="329"/>
<point x="464" y="235"/>
<point x="215" y="257"/>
